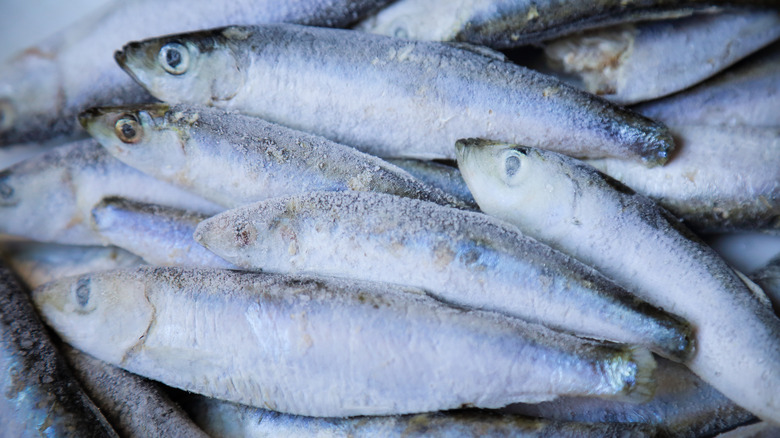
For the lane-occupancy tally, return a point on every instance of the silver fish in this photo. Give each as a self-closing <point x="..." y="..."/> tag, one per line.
<point x="768" y="278"/>
<point x="443" y="177"/>
<point x="746" y="94"/>
<point x="45" y="87"/>
<point x="637" y="62"/>
<point x="161" y="235"/>
<point x="682" y="406"/>
<point x="458" y="256"/>
<point x="511" y="23"/>
<point x="49" y="197"/>
<point x="388" y="97"/>
<point x="38" y="263"/>
<point x="40" y="396"/>
<point x="326" y="347"/>
<point x="137" y="408"/>
<point x="706" y="185"/>
<point x="576" y="209"/>
<point x="230" y="420"/>
<point x="234" y="160"/>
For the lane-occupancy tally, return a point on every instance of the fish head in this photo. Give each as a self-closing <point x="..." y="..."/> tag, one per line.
<point x="199" y="67"/>
<point x="523" y="185"/>
<point x="105" y="314"/>
<point x="148" y="137"/>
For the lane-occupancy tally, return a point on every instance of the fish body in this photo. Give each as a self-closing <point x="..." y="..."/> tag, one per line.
<point x="136" y="407"/>
<point x="49" y="197"/>
<point x="745" y="94"/>
<point x="44" y="88"/>
<point x="768" y="278"/>
<point x="40" y="396"/>
<point x="38" y="263"/>
<point x="576" y="209"/>
<point x="705" y="184"/>
<point x="510" y="23"/>
<point x="460" y="257"/>
<point x="230" y="420"/>
<point x="232" y="159"/>
<point x="637" y="62"/>
<point x="351" y="87"/>
<point x="160" y="235"/>
<point x="326" y="347"/>
<point x="682" y="406"/>
<point x="444" y="177"/>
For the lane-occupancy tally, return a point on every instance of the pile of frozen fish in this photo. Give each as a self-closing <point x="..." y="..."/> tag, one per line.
<point x="241" y="201"/>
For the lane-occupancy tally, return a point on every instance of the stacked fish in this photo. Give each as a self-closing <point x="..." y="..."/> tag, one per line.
<point x="256" y="219"/>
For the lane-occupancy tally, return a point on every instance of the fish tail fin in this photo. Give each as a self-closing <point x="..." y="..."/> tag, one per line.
<point x="639" y="382"/>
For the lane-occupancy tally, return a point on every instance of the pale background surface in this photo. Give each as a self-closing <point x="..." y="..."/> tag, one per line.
<point x="26" y="22"/>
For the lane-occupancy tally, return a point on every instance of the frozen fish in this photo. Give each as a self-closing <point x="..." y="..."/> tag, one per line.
<point x="326" y="347"/>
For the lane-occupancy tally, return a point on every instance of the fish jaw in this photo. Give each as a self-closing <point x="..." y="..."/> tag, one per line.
<point x="78" y="307"/>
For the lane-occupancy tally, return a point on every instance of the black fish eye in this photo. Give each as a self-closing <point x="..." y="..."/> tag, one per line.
<point x="82" y="291"/>
<point x="174" y="58"/>
<point x="512" y="165"/>
<point x="128" y="129"/>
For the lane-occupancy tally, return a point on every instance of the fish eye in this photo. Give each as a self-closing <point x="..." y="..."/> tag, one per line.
<point x="128" y="129"/>
<point x="512" y="164"/>
<point x="81" y="290"/>
<point x="174" y="58"/>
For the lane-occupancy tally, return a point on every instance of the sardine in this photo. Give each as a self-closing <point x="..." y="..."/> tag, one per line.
<point x="510" y="23"/>
<point x="234" y="160"/>
<point x="768" y="278"/>
<point x="161" y="235"/>
<point x="49" y="197"/>
<point x="637" y="62"/>
<point x="682" y="406"/>
<point x="45" y="87"/>
<point x="443" y="177"/>
<point x="458" y="256"/>
<point x="721" y="178"/>
<point x="40" y="396"/>
<point x="574" y="208"/>
<point x="746" y="94"/>
<point x="38" y="263"/>
<point x="326" y="347"/>
<point x="391" y="98"/>
<point x="229" y="420"/>
<point x="136" y="407"/>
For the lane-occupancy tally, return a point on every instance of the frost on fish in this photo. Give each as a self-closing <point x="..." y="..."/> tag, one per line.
<point x="230" y="420"/>
<point x="38" y="263"/>
<point x="43" y="88"/>
<point x="461" y="257"/>
<point x="136" y="407"/>
<point x="745" y="94"/>
<point x="574" y="208"/>
<point x="638" y="62"/>
<point x="511" y="23"/>
<point x="233" y="159"/>
<point x="327" y="347"/>
<point x="160" y="235"/>
<point x="389" y="97"/>
<point x="682" y="406"/>
<point x="721" y="178"/>
<point x="444" y="177"/>
<point x="48" y="198"/>
<point x="40" y="396"/>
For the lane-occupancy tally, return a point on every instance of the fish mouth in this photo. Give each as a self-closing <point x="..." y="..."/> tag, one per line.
<point x="121" y="57"/>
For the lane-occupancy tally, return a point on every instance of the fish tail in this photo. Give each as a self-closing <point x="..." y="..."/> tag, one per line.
<point x="638" y="375"/>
